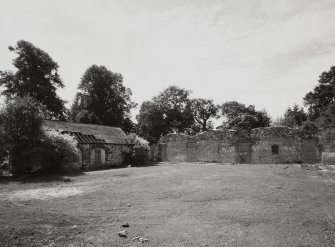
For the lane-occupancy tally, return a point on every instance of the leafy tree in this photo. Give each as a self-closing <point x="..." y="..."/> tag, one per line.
<point x="322" y="95"/>
<point x="22" y="119"/>
<point x="151" y="122"/>
<point x="168" y="112"/>
<point x="327" y="117"/>
<point x="36" y="76"/>
<point x="29" y="145"/>
<point x="294" y="117"/>
<point x="233" y="109"/>
<point x="176" y="105"/>
<point x="85" y="116"/>
<point x="238" y="115"/>
<point x="104" y="99"/>
<point x="203" y="111"/>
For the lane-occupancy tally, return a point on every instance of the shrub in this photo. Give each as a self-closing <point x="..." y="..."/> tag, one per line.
<point x="138" y="152"/>
<point x="62" y="148"/>
<point x="50" y="153"/>
<point x="22" y="119"/>
<point x="33" y="148"/>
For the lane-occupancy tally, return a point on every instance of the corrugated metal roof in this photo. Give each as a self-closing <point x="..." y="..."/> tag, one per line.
<point x="89" y="133"/>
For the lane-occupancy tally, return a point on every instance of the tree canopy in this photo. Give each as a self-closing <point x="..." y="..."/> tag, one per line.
<point x="203" y="111"/>
<point x="103" y="99"/>
<point x="22" y="119"/>
<point x="294" y="117"/>
<point x="238" y="115"/>
<point x="36" y="76"/>
<point x="322" y="95"/>
<point x="168" y="112"/>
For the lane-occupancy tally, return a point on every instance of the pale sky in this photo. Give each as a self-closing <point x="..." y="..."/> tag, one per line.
<point x="268" y="53"/>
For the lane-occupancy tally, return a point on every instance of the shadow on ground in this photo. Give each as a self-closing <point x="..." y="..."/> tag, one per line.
<point x="40" y="177"/>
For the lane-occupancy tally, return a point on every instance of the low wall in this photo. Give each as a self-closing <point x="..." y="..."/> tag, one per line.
<point x="261" y="145"/>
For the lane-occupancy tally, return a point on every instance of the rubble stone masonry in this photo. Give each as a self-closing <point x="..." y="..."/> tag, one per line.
<point x="269" y="145"/>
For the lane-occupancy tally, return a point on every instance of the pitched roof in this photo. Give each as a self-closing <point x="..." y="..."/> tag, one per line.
<point x="89" y="133"/>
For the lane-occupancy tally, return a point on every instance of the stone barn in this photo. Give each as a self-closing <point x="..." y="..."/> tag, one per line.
<point x="100" y="146"/>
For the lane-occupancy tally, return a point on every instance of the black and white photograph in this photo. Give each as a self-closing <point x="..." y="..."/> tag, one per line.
<point x="167" y="123"/>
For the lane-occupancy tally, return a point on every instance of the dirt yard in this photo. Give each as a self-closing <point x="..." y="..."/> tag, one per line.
<point x="173" y="205"/>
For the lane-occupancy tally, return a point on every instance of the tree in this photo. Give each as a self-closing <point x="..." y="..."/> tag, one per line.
<point x="203" y="111"/>
<point x="104" y="99"/>
<point x="36" y="76"/>
<point x="294" y="117"/>
<point x="176" y="105"/>
<point x="30" y="146"/>
<point x="168" y="112"/>
<point x="22" y="119"/>
<point x="322" y="95"/>
<point x="85" y="116"/>
<point x="238" y="115"/>
<point x="151" y="122"/>
<point x="327" y="117"/>
<point x="233" y="109"/>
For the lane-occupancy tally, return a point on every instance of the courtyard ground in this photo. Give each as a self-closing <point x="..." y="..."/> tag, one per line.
<point x="173" y="205"/>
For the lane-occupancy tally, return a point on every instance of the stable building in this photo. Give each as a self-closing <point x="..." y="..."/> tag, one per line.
<point x="100" y="146"/>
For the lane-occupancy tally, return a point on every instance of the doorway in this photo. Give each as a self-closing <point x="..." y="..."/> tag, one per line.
<point x="98" y="158"/>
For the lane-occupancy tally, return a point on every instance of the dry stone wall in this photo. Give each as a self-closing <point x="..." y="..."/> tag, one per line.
<point x="327" y="144"/>
<point x="262" y="145"/>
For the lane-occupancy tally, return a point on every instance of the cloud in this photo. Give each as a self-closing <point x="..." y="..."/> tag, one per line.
<point x="251" y="51"/>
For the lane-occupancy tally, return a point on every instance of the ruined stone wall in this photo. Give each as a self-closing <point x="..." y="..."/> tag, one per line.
<point x="276" y="145"/>
<point x="176" y="147"/>
<point x="261" y="145"/>
<point x="327" y="144"/>
<point x="225" y="146"/>
<point x="216" y="146"/>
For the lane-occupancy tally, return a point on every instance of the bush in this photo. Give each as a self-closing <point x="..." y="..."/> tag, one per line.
<point x="62" y="149"/>
<point x="50" y="153"/>
<point x="22" y="119"/>
<point x="33" y="148"/>
<point x="138" y="152"/>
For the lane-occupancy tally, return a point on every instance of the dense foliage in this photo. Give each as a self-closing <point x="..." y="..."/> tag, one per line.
<point x="31" y="147"/>
<point x="203" y="111"/>
<point x="168" y="112"/>
<point x="103" y="99"/>
<point x="238" y="115"/>
<point x="322" y="95"/>
<point x="22" y="119"/>
<point x="327" y="117"/>
<point x="36" y="76"/>
<point x="294" y="117"/>
<point x="138" y="152"/>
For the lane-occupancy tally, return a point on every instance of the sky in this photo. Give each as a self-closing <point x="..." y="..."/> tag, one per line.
<point x="268" y="53"/>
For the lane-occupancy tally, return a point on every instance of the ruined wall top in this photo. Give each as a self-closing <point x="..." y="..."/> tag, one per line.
<point x="273" y="132"/>
<point x="232" y="134"/>
<point x="209" y="134"/>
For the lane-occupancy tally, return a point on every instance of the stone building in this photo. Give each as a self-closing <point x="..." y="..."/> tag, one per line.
<point x="268" y="145"/>
<point x="100" y="146"/>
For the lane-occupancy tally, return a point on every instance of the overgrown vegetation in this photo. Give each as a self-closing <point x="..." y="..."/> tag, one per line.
<point x="31" y="147"/>
<point x="138" y="152"/>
